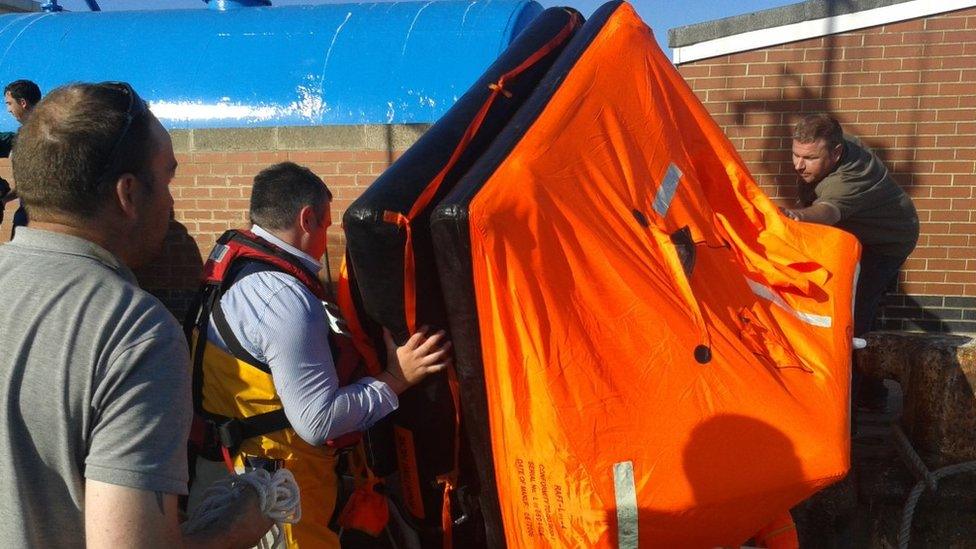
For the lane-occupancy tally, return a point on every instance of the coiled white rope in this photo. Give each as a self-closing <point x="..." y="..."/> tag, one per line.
<point x="278" y="497"/>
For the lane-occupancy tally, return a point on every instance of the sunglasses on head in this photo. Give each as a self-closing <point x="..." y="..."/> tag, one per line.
<point x="136" y="109"/>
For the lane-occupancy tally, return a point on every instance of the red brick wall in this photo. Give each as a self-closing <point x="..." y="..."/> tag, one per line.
<point x="908" y="90"/>
<point x="212" y="190"/>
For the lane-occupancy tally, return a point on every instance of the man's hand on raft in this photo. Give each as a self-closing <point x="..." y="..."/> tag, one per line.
<point x="416" y="359"/>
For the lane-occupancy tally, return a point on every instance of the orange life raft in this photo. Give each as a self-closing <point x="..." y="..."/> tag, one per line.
<point x="666" y="358"/>
<point x="649" y="354"/>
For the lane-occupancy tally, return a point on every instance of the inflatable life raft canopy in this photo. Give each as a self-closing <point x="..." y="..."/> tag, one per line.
<point x="650" y="353"/>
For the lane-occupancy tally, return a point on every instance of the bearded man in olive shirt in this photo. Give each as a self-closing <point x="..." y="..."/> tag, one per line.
<point x="844" y="184"/>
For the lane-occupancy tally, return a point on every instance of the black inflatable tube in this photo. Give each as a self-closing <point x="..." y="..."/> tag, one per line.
<point x="449" y="224"/>
<point x="375" y="249"/>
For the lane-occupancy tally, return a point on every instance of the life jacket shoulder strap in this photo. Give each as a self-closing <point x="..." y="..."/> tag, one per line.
<point x="237" y="254"/>
<point x="341" y="353"/>
<point x="233" y="344"/>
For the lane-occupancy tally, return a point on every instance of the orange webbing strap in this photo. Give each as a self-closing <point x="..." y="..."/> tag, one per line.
<point x="449" y="480"/>
<point x="360" y="340"/>
<point x="409" y="289"/>
<point x="497" y="88"/>
<point x="779" y="534"/>
<point x="366" y="510"/>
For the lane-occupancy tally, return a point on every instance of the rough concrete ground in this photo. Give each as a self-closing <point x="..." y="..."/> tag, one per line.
<point x="865" y="510"/>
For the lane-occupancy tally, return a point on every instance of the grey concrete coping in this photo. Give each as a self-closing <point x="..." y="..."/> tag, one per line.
<point x="810" y="10"/>
<point x="298" y="138"/>
<point x="9" y="6"/>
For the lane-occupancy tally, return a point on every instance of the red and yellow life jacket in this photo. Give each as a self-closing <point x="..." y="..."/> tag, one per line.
<point x="240" y="414"/>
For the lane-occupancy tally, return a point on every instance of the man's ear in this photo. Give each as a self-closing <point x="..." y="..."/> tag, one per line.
<point x="23" y="103"/>
<point x="126" y="191"/>
<point x="307" y="219"/>
<point x="837" y="152"/>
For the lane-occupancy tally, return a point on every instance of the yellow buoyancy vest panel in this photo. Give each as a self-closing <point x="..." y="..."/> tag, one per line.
<point x="236" y="389"/>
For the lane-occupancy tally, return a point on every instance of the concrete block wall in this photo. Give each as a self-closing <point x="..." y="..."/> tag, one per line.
<point x="908" y="90"/>
<point x="213" y="184"/>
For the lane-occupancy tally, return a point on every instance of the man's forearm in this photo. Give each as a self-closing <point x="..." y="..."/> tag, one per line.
<point x="121" y="517"/>
<point x="822" y="213"/>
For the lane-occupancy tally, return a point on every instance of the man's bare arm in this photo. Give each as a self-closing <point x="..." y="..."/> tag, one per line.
<point x="821" y="212"/>
<point x="117" y="517"/>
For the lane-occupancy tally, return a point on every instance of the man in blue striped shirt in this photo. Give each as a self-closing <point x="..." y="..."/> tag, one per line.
<point x="278" y="327"/>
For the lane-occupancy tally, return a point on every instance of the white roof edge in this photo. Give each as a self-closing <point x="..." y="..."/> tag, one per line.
<point x="784" y="34"/>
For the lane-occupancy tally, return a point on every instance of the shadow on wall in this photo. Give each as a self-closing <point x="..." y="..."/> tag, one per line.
<point x="174" y="275"/>
<point x="837" y="89"/>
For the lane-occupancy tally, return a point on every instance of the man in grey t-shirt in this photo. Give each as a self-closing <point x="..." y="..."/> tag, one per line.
<point x="94" y="373"/>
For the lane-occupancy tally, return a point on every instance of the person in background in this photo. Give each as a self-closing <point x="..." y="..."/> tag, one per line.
<point x="20" y="97"/>
<point x="843" y="183"/>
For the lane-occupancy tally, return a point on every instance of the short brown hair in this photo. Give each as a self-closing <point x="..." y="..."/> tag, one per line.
<point x="814" y="127"/>
<point x="24" y="89"/>
<point x="62" y="155"/>
<point x="281" y="191"/>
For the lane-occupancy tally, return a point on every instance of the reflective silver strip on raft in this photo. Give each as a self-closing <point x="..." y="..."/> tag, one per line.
<point x="626" y="495"/>
<point x="665" y="193"/>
